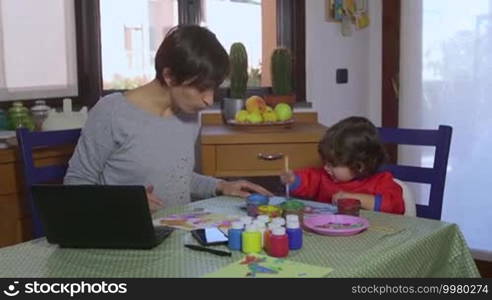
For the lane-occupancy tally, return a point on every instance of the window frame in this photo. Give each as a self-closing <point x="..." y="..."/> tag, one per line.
<point x="290" y="26"/>
<point x="58" y="101"/>
<point x="291" y="34"/>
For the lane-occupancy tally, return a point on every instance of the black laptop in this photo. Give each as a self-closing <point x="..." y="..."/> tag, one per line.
<point x="97" y="216"/>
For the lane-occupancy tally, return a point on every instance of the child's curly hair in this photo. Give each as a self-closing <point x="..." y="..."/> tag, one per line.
<point x="354" y="143"/>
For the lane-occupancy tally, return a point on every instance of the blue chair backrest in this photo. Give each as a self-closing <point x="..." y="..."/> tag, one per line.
<point x="435" y="176"/>
<point x="35" y="175"/>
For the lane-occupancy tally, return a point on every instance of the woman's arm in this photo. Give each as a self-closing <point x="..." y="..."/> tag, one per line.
<point x="202" y="186"/>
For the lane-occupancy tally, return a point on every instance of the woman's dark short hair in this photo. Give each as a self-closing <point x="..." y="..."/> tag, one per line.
<point x="192" y="53"/>
<point x="354" y="143"/>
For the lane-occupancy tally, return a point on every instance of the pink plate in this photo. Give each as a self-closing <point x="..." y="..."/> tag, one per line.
<point x="336" y="225"/>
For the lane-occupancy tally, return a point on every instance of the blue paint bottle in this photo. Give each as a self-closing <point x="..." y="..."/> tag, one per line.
<point x="234" y="235"/>
<point x="294" y="232"/>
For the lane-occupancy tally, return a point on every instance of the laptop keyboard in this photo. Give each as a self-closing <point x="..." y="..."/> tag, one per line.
<point x="162" y="232"/>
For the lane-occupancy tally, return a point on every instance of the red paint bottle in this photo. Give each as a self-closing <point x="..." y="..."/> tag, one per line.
<point x="278" y="243"/>
<point x="266" y="237"/>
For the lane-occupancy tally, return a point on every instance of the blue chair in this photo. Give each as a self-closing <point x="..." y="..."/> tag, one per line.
<point x="435" y="176"/>
<point x="28" y="141"/>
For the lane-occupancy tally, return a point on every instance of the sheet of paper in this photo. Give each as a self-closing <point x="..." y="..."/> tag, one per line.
<point x="197" y="220"/>
<point x="262" y="266"/>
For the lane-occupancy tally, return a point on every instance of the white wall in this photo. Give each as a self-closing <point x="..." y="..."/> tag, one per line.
<point x="327" y="50"/>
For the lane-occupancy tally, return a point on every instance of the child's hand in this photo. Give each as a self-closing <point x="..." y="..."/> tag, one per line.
<point x="287" y="177"/>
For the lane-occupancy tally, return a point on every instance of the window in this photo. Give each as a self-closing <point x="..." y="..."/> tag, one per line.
<point x="104" y="49"/>
<point x="38" y="53"/>
<point x="227" y="18"/>
<point x="130" y="37"/>
<point x="129" y="44"/>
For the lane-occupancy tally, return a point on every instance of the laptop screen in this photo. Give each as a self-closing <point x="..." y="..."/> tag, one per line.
<point x="95" y="216"/>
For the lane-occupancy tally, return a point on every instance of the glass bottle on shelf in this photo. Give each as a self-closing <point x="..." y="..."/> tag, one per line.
<point x="39" y="113"/>
<point x="3" y="120"/>
<point x="19" y="117"/>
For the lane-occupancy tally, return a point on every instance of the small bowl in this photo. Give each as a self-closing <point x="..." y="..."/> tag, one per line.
<point x="293" y="207"/>
<point x="272" y="211"/>
<point x="253" y="201"/>
<point x="349" y="207"/>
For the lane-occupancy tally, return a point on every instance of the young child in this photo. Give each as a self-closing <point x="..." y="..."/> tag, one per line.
<point x="352" y="154"/>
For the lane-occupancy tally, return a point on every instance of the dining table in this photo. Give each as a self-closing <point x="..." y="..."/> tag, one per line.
<point x="392" y="246"/>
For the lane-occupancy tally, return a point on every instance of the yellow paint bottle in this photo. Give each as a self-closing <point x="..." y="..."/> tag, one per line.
<point x="251" y="240"/>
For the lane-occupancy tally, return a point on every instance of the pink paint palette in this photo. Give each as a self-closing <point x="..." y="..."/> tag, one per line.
<point x="336" y="225"/>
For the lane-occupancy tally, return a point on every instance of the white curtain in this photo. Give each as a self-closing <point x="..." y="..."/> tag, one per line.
<point x="446" y="78"/>
<point x="37" y="49"/>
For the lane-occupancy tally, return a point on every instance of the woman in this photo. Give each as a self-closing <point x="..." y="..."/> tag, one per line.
<point x="146" y="136"/>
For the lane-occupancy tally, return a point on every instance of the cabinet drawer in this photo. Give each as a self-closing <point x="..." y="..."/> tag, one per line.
<point x="14" y="231"/>
<point x="244" y="160"/>
<point x="9" y="178"/>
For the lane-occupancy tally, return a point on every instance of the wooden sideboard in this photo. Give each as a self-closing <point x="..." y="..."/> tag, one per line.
<point x="15" y="221"/>
<point x="234" y="152"/>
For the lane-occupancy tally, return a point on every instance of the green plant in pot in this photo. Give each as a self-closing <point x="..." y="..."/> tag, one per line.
<point x="238" y="77"/>
<point x="281" y="72"/>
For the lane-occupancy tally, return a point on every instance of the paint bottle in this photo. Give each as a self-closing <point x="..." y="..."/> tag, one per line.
<point x="290" y="218"/>
<point x="294" y="232"/>
<point x="279" y="221"/>
<point x="251" y="239"/>
<point x="246" y="220"/>
<point x="261" y="228"/>
<point x="234" y="235"/>
<point x="267" y="234"/>
<point x="263" y="218"/>
<point x="278" y="243"/>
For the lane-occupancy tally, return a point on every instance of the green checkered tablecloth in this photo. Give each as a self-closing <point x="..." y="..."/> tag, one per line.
<point x="393" y="246"/>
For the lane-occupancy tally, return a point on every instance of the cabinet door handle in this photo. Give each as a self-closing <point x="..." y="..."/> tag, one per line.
<point x="273" y="156"/>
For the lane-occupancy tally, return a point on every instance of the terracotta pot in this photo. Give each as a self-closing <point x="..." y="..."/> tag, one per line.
<point x="272" y="100"/>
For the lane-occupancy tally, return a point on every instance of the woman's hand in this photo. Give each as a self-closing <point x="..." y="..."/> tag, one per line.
<point x="240" y="188"/>
<point x="287" y="177"/>
<point x="155" y="203"/>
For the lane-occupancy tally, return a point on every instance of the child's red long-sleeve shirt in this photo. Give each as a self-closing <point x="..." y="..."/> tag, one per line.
<point x="317" y="184"/>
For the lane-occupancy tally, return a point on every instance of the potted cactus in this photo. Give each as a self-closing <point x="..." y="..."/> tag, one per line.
<point x="281" y="71"/>
<point x="239" y="70"/>
<point x="238" y="81"/>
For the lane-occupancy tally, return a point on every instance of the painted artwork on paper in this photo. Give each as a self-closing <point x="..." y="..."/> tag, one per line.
<point x="261" y="266"/>
<point x="356" y="11"/>
<point x="197" y="220"/>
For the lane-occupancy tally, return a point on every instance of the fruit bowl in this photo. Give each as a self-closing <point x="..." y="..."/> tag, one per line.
<point x="286" y="124"/>
<point x="256" y="114"/>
